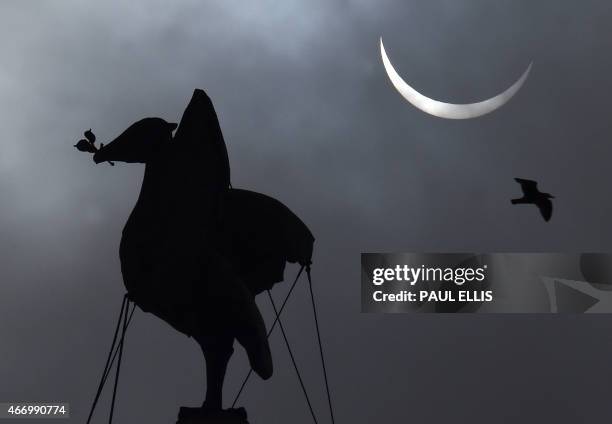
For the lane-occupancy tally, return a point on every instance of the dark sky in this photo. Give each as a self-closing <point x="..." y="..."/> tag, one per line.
<point x="310" y="117"/>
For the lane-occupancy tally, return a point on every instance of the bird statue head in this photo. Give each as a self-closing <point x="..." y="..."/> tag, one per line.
<point x="138" y="143"/>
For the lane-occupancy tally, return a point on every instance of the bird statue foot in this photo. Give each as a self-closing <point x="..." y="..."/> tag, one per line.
<point x="203" y="415"/>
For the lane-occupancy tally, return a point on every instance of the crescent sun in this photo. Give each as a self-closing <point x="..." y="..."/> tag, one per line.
<point x="449" y="110"/>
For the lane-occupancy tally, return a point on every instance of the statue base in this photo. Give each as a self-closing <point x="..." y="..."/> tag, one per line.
<point x="189" y="415"/>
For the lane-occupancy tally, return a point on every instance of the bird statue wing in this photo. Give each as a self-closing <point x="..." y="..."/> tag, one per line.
<point x="528" y="186"/>
<point x="545" y="206"/>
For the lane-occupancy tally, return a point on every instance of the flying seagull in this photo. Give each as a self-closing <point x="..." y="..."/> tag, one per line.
<point x="531" y="195"/>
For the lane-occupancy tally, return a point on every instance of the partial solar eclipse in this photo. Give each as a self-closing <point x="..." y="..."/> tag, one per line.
<point x="449" y="110"/>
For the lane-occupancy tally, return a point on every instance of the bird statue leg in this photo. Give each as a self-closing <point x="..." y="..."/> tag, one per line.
<point x="217" y="352"/>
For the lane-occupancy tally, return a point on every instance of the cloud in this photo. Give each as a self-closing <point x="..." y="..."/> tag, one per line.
<point x="309" y="117"/>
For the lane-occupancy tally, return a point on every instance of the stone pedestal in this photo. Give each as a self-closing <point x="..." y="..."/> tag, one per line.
<point x="203" y="416"/>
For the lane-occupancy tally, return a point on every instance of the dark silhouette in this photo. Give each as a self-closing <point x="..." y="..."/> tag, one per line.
<point x="531" y="195"/>
<point x="88" y="145"/>
<point x="195" y="252"/>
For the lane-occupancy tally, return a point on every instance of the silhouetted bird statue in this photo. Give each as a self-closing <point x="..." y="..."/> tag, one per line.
<point x="531" y="195"/>
<point x="195" y="251"/>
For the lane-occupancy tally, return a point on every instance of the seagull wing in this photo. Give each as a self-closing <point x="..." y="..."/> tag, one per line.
<point x="528" y="186"/>
<point x="546" y="208"/>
